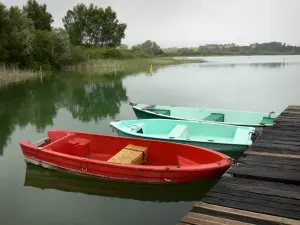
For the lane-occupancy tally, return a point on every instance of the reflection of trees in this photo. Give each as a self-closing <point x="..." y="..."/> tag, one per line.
<point x="6" y="127"/>
<point x="93" y="101"/>
<point x="268" y="65"/>
<point x="36" y="103"/>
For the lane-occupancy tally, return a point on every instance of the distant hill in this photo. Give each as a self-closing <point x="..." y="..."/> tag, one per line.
<point x="268" y="48"/>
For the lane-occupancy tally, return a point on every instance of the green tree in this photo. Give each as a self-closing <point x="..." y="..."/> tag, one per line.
<point x="43" y="49"/>
<point x="38" y="13"/>
<point x="4" y="26"/>
<point x="21" y="37"/>
<point x="62" y="50"/>
<point x="123" y="47"/>
<point x="151" y="48"/>
<point x="94" y="26"/>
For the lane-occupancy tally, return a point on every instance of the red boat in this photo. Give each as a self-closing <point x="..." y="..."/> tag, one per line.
<point x="123" y="158"/>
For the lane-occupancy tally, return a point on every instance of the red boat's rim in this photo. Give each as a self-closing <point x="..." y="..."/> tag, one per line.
<point x="51" y="166"/>
<point x="226" y="161"/>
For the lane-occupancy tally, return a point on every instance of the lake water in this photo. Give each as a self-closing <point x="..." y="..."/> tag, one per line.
<point x="29" y="195"/>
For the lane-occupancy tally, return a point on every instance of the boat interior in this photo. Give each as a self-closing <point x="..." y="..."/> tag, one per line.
<point x="125" y="150"/>
<point x="177" y="129"/>
<point x="227" y="116"/>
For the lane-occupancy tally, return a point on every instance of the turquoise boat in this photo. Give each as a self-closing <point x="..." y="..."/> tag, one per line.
<point x="228" y="139"/>
<point x="231" y="117"/>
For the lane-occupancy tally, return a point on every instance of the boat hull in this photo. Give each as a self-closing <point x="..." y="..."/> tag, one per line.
<point x="49" y="179"/>
<point x="234" y="151"/>
<point x="47" y="158"/>
<point x="145" y="114"/>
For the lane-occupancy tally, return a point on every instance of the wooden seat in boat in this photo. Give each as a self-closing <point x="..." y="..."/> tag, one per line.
<point x="178" y="131"/>
<point x="131" y="154"/>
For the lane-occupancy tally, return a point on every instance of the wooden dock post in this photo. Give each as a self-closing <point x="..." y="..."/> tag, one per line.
<point x="264" y="188"/>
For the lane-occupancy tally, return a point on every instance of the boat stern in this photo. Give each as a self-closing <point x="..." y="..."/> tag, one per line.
<point x="244" y="136"/>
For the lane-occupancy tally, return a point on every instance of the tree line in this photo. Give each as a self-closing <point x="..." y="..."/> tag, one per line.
<point x="268" y="48"/>
<point x="28" y="39"/>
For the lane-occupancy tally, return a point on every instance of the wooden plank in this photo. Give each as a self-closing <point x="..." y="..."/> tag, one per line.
<point x="281" y="220"/>
<point x="288" y="126"/>
<point x="259" y="190"/>
<point x="272" y="136"/>
<point x="194" y="221"/>
<point x="260" y="187"/>
<point x="249" y="152"/>
<point x="268" y="163"/>
<point x="281" y="129"/>
<point x="268" y="186"/>
<point x="281" y="133"/>
<point x="274" y="174"/>
<point x="295" y="107"/>
<point x="287" y="121"/>
<point x="276" y="146"/>
<point x="245" y="193"/>
<point x="273" y="150"/>
<point x="261" y="201"/>
<point x="252" y="207"/>
<point x="131" y="154"/>
<point x="288" y="118"/>
<point x="197" y="218"/>
<point x="180" y="223"/>
<point x="290" y="112"/>
<point x="274" y="141"/>
<point x="230" y="216"/>
<point x="270" y="159"/>
<point x="286" y="131"/>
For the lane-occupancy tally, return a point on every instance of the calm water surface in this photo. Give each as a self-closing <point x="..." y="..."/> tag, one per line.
<point x="29" y="195"/>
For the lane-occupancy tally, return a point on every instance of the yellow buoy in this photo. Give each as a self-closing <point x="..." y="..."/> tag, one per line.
<point x="150" y="70"/>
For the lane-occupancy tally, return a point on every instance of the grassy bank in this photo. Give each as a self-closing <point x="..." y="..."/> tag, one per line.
<point x="8" y="76"/>
<point x="111" y="66"/>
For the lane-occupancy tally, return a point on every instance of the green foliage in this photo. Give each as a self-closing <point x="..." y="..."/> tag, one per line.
<point x="61" y="48"/>
<point x="37" y="103"/>
<point x="270" y="48"/>
<point x="4" y="33"/>
<point x="123" y="47"/>
<point x="21" y="37"/>
<point x="91" y="33"/>
<point x="149" y="47"/>
<point x="115" y="53"/>
<point x="77" y="54"/>
<point x="94" y="26"/>
<point x="43" y="48"/>
<point x="39" y="15"/>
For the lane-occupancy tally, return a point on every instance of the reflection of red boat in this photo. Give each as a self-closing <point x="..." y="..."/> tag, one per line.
<point x="122" y="158"/>
<point x="178" y="192"/>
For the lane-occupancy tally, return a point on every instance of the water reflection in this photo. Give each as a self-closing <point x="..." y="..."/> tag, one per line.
<point x="87" y="98"/>
<point x="94" y="101"/>
<point x="49" y="179"/>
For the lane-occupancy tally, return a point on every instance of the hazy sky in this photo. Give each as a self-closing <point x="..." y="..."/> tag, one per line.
<point x="194" y="22"/>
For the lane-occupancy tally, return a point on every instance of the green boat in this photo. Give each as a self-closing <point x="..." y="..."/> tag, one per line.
<point x="239" y="118"/>
<point x="228" y="139"/>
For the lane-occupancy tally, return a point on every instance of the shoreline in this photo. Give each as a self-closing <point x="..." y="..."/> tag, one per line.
<point x="101" y="67"/>
<point x="114" y="66"/>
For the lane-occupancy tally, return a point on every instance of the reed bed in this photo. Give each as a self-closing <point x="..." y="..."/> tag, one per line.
<point x="111" y="66"/>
